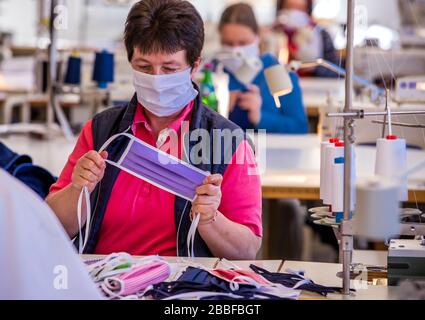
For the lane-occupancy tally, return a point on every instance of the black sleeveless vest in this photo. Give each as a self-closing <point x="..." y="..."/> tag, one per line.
<point x="118" y="119"/>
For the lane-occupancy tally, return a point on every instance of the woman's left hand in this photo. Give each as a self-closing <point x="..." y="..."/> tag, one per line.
<point x="208" y="197"/>
<point x="251" y="101"/>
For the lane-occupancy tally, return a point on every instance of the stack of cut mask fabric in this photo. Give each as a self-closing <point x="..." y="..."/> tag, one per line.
<point x="219" y="284"/>
<point x="121" y="276"/>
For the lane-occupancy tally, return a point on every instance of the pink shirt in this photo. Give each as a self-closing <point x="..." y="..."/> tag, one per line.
<point x="139" y="218"/>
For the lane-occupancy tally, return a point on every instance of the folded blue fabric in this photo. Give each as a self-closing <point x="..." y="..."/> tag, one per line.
<point x="22" y="168"/>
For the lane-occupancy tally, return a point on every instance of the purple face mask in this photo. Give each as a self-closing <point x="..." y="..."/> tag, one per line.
<point x="159" y="168"/>
<point x="152" y="165"/>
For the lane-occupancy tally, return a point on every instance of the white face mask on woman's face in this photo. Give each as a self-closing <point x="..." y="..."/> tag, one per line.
<point x="164" y="94"/>
<point x="232" y="64"/>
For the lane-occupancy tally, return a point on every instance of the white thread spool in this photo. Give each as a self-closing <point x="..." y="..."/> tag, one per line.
<point x="331" y="152"/>
<point x="391" y="160"/>
<point x="353" y="177"/>
<point x="338" y="188"/>
<point x="377" y="210"/>
<point x="323" y="177"/>
<point x="338" y="185"/>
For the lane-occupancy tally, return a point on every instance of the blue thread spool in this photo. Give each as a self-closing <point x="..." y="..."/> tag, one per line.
<point x="73" y="70"/>
<point x="103" y="71"/>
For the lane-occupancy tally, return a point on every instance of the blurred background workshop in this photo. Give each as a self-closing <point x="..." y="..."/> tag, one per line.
<point x="63" y="64"/>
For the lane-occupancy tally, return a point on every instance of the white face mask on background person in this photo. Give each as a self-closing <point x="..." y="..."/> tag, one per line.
<point x="293" y="18"/>
<point x="310" y="44"/>
<point x="239" y="53"/>
<point x="164" y="94"/>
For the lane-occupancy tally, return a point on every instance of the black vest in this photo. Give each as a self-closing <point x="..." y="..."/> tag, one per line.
<point x="118" y="119"/>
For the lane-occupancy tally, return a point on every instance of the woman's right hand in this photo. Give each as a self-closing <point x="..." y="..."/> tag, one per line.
<point x="89" y="170"/>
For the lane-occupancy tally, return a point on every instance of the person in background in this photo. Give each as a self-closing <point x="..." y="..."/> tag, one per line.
<point x="164" y="40"/>
<point x="306" y="40"/>
<point x="252" y="106"/>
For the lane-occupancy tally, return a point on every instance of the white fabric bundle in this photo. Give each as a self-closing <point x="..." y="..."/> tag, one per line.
<point x="38" y="260"/>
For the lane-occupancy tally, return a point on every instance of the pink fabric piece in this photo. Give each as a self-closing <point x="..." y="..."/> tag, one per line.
<point x="139" y="278"/>
<point x="232" y="275"/>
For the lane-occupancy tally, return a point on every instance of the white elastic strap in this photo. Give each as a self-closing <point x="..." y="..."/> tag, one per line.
<point x="234" y="285"/>
<point x="300" y="283"/>
<point x="229" y="264"/>
<point x="110" y="289"/>
<point x="106" y="267"/>
<point x="191" y="236"/>
<point x="102" y="262"/>
<point x="84" y="192"/>
<point x="299" y="273"/>
<point x="112" y="138"/>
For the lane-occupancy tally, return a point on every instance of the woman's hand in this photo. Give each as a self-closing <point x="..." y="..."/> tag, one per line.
<point x="251" y="102"/>
<point x="89" y="170"/>
<point x="208" y="197"/>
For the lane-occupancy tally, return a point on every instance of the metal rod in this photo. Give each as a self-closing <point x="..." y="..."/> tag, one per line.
<point x="360" y="113"/>
<point x="295" y="65"/>
<point x="402" y="124"/>
<point x="52" y="66"/>
<point x="385" y="116"/>
<point x="54" y="108"/>
<point x="347" y="237"/>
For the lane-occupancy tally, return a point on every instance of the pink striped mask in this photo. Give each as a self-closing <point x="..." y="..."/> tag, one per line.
<point x="137" y="279"/>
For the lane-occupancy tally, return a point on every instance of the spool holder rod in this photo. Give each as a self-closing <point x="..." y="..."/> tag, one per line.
<point x="360" y="113"/>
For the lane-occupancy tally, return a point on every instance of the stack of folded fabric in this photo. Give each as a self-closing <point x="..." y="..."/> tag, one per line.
<point x="198" y="283"/>
<point x="120" y="276"/>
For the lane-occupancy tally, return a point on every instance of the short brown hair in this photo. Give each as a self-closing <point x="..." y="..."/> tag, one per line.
<point x="165" y="26"/>
<point x="239" y="13"/>
<point x="281" y="4"/>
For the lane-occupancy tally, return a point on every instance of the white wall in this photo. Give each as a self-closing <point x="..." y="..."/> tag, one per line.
<point x="19" y="17"/>
<point x="104" y="23"/>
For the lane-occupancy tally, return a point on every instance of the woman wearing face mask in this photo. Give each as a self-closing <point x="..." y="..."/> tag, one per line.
<point x="252" y="106"/>
<point x="306" y="40"/>
<point x="163" y="39"/>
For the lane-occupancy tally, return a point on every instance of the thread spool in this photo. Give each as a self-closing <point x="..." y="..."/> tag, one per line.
<point x="333" y="151"/>
<point x="103" y="71"/>
<point x="338" y="187"/>
<point x="338" y="190"/>
<point x="323" y="179"/>
<point x="73" y="70"/>
<point x="377" y="210"/>
<point x="323" y="176"/>
<point x="353" y="177"/>
<point x="391" y="160"/>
